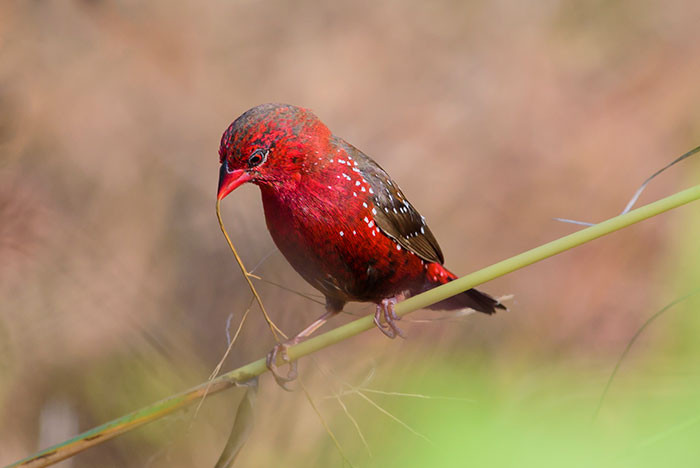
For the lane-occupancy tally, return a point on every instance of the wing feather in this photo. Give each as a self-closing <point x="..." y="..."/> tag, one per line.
<point x="395" y="216"/>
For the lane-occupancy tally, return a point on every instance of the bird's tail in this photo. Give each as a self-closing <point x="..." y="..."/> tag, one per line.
<point x="437" y="275"/>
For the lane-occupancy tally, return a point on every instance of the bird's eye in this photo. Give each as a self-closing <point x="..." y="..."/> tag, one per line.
<point x="257" y="157"/>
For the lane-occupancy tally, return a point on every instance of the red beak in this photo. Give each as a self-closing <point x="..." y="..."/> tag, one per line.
<point x="229" y="181"/>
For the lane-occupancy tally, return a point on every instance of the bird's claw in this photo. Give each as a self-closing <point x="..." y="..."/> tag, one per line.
<point x="386" y="311"/>
<point x="280" y="349"/>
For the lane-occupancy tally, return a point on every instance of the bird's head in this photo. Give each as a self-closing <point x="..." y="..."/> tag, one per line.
<point x="268" y="145"/>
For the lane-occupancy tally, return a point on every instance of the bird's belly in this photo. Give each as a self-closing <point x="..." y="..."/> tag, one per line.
<point x="343" y="255"/>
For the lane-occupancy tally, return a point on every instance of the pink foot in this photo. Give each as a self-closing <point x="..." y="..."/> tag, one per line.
<point x="385" y="310"/>
<point x="271" y="362"/>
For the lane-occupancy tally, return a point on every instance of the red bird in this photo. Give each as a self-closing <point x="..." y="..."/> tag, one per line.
<point x="336" y="216"/>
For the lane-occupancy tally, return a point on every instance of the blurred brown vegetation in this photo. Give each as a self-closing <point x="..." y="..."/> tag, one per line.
<point x="116" y="285"/>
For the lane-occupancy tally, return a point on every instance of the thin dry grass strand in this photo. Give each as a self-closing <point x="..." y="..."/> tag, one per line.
<point x="639" y="191"/>
<point x="231" y="341"/>
<point x="285" y="288"/>
<point x="357" y="391"/>
<point x="573" y="221"/>
<point x="641" y="188"/>
<point x="351" y="389"/>
<point x="370" y="375"/>
<point x="263" y="260"/>
<point x="631" y="342"/>
<point x="340" y="383"/>
<point x="339" y="399"/>
<point x="412" y="395"/>
<point x="228" y="328"/>
<point x="323" y="422"/>
<point x="669" y="432"/>
<point x="387" y="413"/>
<point x="276" y="332"/>
<point x="334" y="379"/>
<point x="217" y="369"/>
<point x="458" y="316"/>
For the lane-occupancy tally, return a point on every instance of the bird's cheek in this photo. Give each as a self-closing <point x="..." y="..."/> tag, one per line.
<point x="230" y="180"/>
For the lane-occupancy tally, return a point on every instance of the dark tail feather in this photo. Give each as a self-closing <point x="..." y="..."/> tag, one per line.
<point x="472" y="299"/>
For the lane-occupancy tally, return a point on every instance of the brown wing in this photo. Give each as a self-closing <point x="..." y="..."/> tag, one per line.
<point x="395" y="216"/>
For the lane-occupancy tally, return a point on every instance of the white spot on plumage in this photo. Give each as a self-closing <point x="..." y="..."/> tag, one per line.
<point x="354" y="194"/>
<point x="357" y="183"/>
<point x="366" y="219"/>
<point x="374" y="210"/>
<point x="370" y="190"/>
<point x="341" y="233"/>
<point x="363" y="188"/>
<point x="364" y="204"/>
<point x="370" y="224"/>
<point x="341" y="161"/>
<point x="354" y="233"/>
<point x="398" y="247"/>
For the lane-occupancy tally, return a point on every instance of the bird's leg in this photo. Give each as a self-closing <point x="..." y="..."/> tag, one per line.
<point x="385" y="310"/>
<point x="280" y="349"/>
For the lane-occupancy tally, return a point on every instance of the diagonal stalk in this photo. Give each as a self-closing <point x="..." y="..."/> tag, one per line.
<point x="238" y="376"/>
<point x="276" y="332"/>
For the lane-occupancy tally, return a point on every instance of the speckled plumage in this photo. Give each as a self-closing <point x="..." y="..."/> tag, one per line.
<point x="333" y="212"/>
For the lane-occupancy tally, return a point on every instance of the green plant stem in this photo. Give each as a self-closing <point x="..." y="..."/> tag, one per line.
<point x="242" y="374"/>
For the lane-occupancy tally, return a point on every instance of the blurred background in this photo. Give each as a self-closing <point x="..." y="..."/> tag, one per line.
<point x="116" y="285"/>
